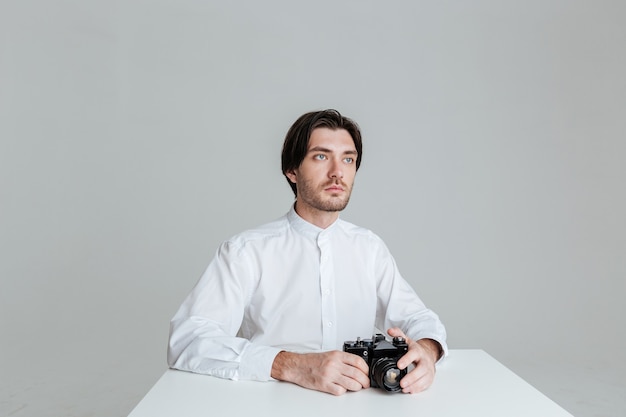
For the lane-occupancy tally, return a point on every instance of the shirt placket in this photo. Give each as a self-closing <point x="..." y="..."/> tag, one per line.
<point x="327" y="291"/>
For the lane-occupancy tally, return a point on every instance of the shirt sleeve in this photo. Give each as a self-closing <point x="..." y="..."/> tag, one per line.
<point x="400" y="306"/>
<point x="203" y="332"/>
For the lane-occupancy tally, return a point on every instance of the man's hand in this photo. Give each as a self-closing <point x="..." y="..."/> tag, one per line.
<point x="333" y="372"/>
<point x="423" y="354"/>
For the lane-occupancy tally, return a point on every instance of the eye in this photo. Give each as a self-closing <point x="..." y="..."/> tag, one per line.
<point x="348" y="160"/>
<point x="320" y="157"/>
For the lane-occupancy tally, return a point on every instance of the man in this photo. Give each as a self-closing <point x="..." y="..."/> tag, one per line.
<point x="277" y="302"/>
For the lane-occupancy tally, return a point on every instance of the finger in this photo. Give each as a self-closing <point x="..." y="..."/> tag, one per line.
<point x="419" y="385"/>
<point x="414" y="354"/>
<point x="357" y="370"/>
<point x="348" y="370"/>
<point x="411" y="356"/>
<point x="395" y="332"/>
<point x="362" y="378"/>
<point x="351" y="384"/>
<point x="333" y="388"/>
<point x="412" y="377"/>
<point x="417" y="380"/>
<point x="356" y="362"/>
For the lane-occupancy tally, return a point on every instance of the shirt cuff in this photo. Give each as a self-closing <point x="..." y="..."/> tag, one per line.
<point x="256" y="362"/>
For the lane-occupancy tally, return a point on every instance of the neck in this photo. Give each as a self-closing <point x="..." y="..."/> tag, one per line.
<point x="319" y="218"/>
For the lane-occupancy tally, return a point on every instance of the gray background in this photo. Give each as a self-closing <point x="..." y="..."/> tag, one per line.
<point x="137" y="135"/>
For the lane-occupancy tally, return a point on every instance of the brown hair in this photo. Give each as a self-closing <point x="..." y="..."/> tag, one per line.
<point x="296" y="142"/>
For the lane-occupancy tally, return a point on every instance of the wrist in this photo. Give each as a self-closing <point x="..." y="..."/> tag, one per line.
<point x="281" y="365"/>
<point x="434" y="349"/>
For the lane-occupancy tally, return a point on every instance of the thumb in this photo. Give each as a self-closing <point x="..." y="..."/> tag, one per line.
<point x="395" y="332"/>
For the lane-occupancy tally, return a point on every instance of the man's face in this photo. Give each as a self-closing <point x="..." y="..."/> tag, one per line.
<point x="325" y="177"/>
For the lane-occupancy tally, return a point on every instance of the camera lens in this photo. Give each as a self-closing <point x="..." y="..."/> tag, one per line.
<point x="387" y="374"/>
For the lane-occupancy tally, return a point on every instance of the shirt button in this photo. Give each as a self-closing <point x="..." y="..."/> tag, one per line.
<point x="330" y="324"/>
<point x="326" y="291"/>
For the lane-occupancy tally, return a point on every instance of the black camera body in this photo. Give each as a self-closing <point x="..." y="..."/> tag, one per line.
<point x="382" y="358"/>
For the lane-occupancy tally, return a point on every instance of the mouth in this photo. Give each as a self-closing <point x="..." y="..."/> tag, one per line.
<point x="335" y="189"/>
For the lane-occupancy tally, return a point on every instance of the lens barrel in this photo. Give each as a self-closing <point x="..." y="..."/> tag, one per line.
<point x="387" y="375"/>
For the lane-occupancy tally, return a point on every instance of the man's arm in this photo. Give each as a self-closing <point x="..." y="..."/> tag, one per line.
<point x="402" y="312"/>
<point x="400" y="306"/>
<point x="334" y="372"/>
<point x="203" y="330"/>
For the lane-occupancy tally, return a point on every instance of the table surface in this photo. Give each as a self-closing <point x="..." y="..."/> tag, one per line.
<point x="468" y="383"/>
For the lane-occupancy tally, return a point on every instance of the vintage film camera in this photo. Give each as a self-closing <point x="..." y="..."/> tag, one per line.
<point x="381" y="357"/>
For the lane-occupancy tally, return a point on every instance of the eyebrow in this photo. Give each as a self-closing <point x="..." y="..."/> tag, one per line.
<point x="322" y="149"/>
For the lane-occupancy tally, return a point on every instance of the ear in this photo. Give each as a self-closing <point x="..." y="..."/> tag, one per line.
<point x="292" y="175"/>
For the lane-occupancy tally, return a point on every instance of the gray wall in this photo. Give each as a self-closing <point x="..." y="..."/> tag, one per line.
<point x="137" y="135"/>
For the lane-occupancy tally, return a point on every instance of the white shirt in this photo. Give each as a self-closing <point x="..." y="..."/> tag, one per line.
<point x="289" y="285"/>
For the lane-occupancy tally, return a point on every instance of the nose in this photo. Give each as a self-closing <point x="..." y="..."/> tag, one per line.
<point x="336" y="170"/>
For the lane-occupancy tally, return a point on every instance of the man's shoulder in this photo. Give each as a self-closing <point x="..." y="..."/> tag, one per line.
<point x="354" y="230"/>
<point x="275" y="228"/>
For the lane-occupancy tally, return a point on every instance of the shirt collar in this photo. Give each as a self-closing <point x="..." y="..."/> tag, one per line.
<point x="304" y="227"/>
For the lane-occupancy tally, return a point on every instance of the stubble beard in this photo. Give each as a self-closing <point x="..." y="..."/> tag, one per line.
<point x="307" y="194"/>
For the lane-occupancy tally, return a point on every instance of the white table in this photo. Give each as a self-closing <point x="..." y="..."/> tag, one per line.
<point x="468" y="383"/>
